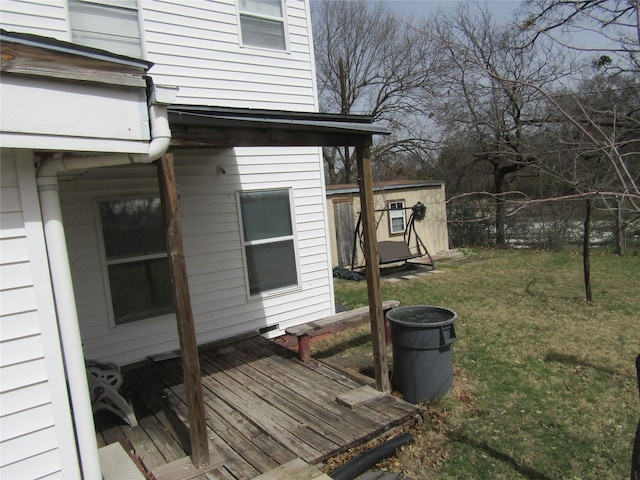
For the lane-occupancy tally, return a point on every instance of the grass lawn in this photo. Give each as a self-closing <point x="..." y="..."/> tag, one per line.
<point x="544" y="383"/>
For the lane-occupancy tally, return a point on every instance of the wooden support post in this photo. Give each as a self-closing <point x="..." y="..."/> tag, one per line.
<point x="304" y="348"/>
<point x="376" y="315"/>
<point x="184" y="314"/>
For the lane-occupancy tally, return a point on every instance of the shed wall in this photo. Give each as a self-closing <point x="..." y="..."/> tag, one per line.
<point x="432" y="230"/>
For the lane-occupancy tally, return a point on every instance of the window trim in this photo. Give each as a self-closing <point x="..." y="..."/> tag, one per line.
<point x="261" y="16"/>
<point x="265" y="241"/>
<point x="390" y="217"/>
<point x="105" y="263"/>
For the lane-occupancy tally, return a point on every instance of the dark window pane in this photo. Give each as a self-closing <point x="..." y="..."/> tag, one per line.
<point x="140" y="290"/>
<point x="271" y="266"/>
<point x="259" y="32"/>
<point x="265" y="214"/>
<point x="132" y="227"/>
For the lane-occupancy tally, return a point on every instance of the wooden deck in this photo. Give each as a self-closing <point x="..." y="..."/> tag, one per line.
<point x="264" y="408"/>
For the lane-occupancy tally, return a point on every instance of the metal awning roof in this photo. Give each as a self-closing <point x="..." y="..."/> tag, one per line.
<point x="202" y="126"/>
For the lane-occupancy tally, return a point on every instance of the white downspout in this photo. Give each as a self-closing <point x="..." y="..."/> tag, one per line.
<point x="60" y="269"/>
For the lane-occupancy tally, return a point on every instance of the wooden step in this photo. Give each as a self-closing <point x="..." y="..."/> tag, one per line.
<point x="296" y="469"/>
<point x="116" y="464"/>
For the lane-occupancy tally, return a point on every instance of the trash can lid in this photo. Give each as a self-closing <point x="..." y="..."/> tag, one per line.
<point x="420" y="315"/>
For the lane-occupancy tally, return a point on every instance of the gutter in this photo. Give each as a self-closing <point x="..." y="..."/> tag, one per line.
<point x="60" y="268"/>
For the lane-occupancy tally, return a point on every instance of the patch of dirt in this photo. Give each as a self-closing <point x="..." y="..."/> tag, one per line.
<point x="430" y="429"/>
<point x="431" y="446"/>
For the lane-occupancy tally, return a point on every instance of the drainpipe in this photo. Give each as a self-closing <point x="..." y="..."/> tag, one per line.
<point x="61" y="273"/>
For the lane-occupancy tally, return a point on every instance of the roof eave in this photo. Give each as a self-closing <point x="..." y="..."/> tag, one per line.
<point x="200" y="126"/>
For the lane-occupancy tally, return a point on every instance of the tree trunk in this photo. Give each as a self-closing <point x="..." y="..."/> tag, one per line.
<point x="344" y="110"/>
<point x="500" y="208"/>
<point x="348" y="167"/>
<point x="586" y="261"/>
<point x="619" y="236"/>
<point x="330" y="159"/>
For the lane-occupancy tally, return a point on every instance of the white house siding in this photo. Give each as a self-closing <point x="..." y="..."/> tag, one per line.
<point x="37" y="17"/>
<point x="35" y="425"/>
<point x="196" y="45"/>
<point x="96" y="116"/>
<point x="211" y="233"/>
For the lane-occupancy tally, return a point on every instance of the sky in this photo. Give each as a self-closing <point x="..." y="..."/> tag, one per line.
<point x="500" y="9"/>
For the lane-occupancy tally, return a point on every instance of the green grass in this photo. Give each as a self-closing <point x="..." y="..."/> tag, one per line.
<point x="545" y="383"/>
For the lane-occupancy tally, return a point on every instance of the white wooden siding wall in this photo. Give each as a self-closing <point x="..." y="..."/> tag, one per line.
<point x="34" y="417"/>
<point x="195" y="45"/>
<point x="38" y="17"/>
<point x="212" y="245"/>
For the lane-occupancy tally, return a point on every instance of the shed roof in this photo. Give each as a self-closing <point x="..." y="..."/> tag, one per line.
<point x="385" y="185"/>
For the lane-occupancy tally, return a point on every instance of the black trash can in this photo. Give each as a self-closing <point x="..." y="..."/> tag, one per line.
<point x="423" y="338"/>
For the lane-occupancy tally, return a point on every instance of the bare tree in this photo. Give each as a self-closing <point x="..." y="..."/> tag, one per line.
<point x="593" y="128"/>
<point x="369" y="62"/>
<point x="607" y="30"/>
<point x="598" y="117"/>
<point x="487" y="104"/>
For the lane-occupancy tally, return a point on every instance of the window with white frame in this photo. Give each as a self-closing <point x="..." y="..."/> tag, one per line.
<point x="268" y="240"/>
<point x="135" y="256"/>
<point x="397" y="219"/>
<point x="262" y="24"/>
<point x="110" y="25"/>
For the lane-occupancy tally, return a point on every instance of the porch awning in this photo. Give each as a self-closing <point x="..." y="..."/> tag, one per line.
<point x="202" y="126"/>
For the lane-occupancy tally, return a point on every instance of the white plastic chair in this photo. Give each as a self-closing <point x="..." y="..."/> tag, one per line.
<point x="105" y="380"/>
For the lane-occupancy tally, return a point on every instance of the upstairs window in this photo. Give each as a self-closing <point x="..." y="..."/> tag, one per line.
<point x="110" y="25"/>
<point x="262" y="24"/>
<point x="135" y="255"/>
<point x="268" y="240"/>
<point x="397" y="219"/>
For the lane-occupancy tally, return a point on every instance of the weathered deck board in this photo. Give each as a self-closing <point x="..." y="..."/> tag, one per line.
<point x="263" y="407"/>
<point x="319" y="391"/>
<point x="268" y="386"/>
<point x="326" y="386"/>
<point x="173" y="405"/>
<point x="261" y="452"/>
<point x="156" y="419"/>
<point x="285" y="428"/>
<point x="270" y="389"/>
